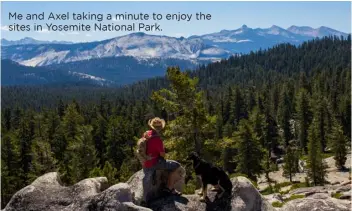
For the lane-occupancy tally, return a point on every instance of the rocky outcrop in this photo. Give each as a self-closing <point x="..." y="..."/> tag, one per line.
<point x="145" y="186"/>
<point x="318" y="201"/>
<point x="47" y="193"/>
<point x="275" y="197"/>
<point x="310" y="190"/>
<point x="244" y="197"/>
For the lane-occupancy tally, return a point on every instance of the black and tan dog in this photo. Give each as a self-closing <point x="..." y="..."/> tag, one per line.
<point x="210" y="174"/>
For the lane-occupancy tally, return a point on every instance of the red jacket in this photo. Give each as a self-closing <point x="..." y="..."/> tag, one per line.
<point x="154" y="147"/>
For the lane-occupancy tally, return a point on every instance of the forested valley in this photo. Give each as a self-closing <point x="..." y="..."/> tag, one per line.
<point x="288" y="101"/>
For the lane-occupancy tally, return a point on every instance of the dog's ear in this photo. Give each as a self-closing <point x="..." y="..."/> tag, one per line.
<point x="195" y="155"/>
<point x="190" y="156"/>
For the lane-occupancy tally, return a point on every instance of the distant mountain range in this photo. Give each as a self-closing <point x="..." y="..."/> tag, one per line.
<point x="111" y="71"/>
<point x="205" y="47"/>
<point x="13" y="73"/>
<point x="28" y="41"/>
<point x="137" y="56"/>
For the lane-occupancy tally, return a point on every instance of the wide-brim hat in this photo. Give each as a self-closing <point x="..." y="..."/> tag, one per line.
<point x="156" y="123"/>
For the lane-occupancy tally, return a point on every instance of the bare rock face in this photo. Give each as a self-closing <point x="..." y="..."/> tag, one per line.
<point x="145" y="186"/>
<point x="276" y="197"/>
<point x="244" y="197"/>
<point x="47" y="193"/>
<point x="318" y="201"/>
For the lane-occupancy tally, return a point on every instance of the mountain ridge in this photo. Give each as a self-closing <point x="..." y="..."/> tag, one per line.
<point x="31" y="41"/>
<point x="209" y="47"/>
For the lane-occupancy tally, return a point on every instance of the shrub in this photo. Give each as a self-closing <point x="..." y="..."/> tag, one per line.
<point x="276" y="189"/>
<point x="292" y="197"/>
<point x="268" y="190"/>
<point x="336" y="195"/>
<point x="299" y="185"/>
<point x="277" y="204"/>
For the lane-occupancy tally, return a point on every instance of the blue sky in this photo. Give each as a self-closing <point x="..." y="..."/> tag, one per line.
<point x="225" y="15"/>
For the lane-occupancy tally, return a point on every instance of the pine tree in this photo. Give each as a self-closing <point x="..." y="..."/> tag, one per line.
<point x="68" y="131"/>
<point x="43" y="160"/>
<point x="285" y="117"/>
<point x="323" y="118"/>
<point x="187" y="104"/>
<point x="227" y="106"/>
<point x="116" y="140"/>
<point x="238" y="108"/>
<point x="291" y="159"/>
<point x="99" y="136"/>
<point x="304" y="116"/>
<point x="249" y="150"/>
<point x="257" y="119"/>
<point x="71" y="121"/>
<point x="108" y="171"/>
<point x="61" y="108"/>
<point x="315" y="163"/>
<point x="18" y="113"/>
<point x="10" y="168"/>
<point x="344" y="111"/>
<point x="7" y="119"/>
<point x="25" y="135"/>
<point x="52" y="123"/>
<point x="338" y="143"/>
<point x="82" y="153"/>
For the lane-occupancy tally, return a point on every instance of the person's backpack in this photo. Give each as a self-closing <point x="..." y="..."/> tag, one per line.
<point x="141" y="151"/>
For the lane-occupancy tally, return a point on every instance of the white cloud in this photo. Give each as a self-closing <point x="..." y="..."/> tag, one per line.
<point x="88" y="35"/>
<point x="5" y="28"/>
<point x="116" y="20"/>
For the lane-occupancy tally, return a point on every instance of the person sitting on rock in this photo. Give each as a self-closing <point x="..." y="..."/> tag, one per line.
<point x="155" y="149"/>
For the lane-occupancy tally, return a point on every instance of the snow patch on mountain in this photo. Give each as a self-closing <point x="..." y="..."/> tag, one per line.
<point x="216" y="46"/>
<point x="46" y="58"/>
<point x="318" y="32"/>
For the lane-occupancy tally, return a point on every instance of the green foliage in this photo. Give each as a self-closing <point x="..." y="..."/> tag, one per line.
<point x="292" y="197"/>
<point x="11" y="173"/>
<point x="275" y="189"/>
<point x="338" y="143"/>
<point x="108" y="171"/>
<point x="191" y="186"/>
<point x="249" y="150"/>
<point x="82" y="153"/>
<point x="291" y="159"/>
<point x="268" y="190"/>
<point x="303" y="118"/>
<point x="188" y="129"/>
<point x="336" y="195"/>
<point x="128" y="168"/>
<point x="285" y="115"/>
<point x="277" y="204"/>
<point x="315" y="163"/>
<point x="295" y="196"/>
<point x="43" y="160"/>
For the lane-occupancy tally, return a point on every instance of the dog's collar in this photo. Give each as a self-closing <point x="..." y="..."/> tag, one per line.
<point x="197" y="165"/>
